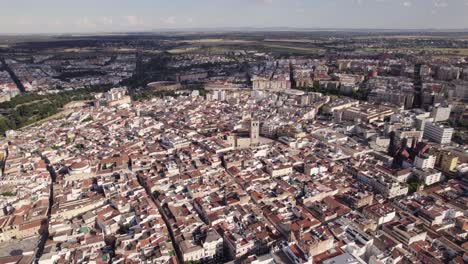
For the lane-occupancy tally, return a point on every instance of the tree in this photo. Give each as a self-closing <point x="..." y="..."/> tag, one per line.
<point x="8" y="194"/>
<point x="414" y="184"/>
<point x="26" y="109"/>
<point x="156" y="193"/>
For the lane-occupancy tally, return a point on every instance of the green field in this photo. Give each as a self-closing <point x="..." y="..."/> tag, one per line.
<point x="434" y="51"/>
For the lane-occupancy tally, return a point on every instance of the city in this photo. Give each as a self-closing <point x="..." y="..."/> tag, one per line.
<point x="235" y="146"/>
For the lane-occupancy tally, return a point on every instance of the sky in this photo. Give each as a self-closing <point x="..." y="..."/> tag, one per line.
<point x="88" y="16"/>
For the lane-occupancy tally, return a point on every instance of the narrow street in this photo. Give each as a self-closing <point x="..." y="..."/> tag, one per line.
<point x="44" y="234"/>
<point x="141" y="181"/>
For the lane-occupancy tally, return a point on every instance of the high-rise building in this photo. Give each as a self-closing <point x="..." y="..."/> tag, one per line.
<point x="440" y="113"/>
<point x="438" y="133"/>
<point x="448" y="73"/>
<point x="446" y="161"/>
<point x="421" y="120"/>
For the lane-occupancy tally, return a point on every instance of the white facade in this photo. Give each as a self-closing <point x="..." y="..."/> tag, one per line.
<point x="278" y="171"/>
<point x="429" y="176"/>
<point x="438" y="133"/>
<point x="441" y="113"/>
<point x="219" y="95"/>
<point x="384" y="185"/>
<point x="424" y="162"/>
<point x="314" y="169"/>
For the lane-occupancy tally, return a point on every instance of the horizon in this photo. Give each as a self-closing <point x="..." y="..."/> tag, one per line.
<point x="57" y="17"/>
<point x="246" y="30"/>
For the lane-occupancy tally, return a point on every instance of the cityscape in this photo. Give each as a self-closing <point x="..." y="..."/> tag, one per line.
<point x="232" y="144"/>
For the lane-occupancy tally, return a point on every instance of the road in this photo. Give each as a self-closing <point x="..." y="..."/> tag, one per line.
<point x="13" y="76"/>
<point x="58" y="115"/>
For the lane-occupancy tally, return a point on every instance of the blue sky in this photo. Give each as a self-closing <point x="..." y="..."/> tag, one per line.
<point x="62" y="16"/>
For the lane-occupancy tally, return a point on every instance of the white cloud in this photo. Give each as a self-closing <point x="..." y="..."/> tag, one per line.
<point x="169" y="20"/>
<point x="89" y="23"/>
<point x="134" y="20"/>
<point x="105" y="21"/>
<point x="85" y="22"/>
<point x="407" y="4"/>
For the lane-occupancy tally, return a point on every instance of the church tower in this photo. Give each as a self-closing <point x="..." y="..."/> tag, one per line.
<point x="254" y="132"/>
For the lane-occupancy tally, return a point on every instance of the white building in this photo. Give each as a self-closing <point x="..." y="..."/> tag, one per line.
<point x="211" y="248"/>
<point x="438" y="133"/>
<point x="213" y="245"/>
<point x="429" y="176"/>
<point x="440" y="113"/>
<point x="424" y="162"/>
<point x="114" y="97"/>
<point x="383" y="184"/>
<point x="219" y="95"/>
